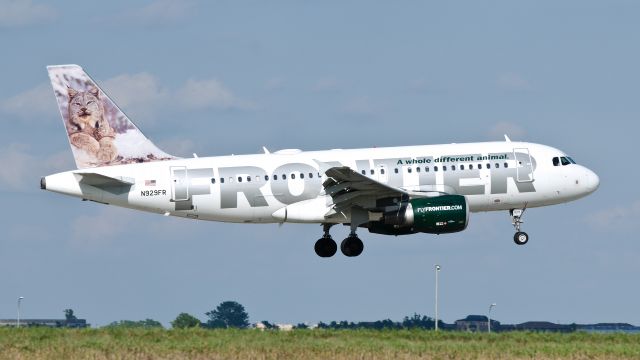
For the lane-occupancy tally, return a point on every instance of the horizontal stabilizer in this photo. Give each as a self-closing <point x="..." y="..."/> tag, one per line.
<point x="99" y="180"/>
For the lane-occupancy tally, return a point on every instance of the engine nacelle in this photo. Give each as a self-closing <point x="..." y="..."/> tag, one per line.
<point x="436" y="215"/>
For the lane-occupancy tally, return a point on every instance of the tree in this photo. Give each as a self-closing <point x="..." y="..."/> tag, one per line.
<point x="228" y="314"/>
<point x="68" y="314"/>
<point x="184" y="321"/>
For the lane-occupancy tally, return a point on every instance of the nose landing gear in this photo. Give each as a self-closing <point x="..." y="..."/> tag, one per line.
<point x="520" y="237"/>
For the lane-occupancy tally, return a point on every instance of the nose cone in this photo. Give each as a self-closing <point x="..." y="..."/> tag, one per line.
<point x="591" y="181"/>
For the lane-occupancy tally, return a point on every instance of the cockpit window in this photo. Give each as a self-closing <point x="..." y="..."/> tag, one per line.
<point x="562" y="160"/>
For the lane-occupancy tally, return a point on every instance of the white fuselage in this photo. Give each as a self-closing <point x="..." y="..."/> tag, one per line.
<point x="257" y="188"/>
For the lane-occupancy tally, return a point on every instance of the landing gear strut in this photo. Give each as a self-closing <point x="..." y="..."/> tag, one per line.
<point x="326" y="247"/>
<point x="520" y="237"/>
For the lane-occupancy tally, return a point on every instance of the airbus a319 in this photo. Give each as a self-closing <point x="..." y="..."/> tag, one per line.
<point x="392" y="191"/>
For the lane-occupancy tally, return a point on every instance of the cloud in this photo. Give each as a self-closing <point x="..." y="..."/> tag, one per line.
<point x="161" y="12"/>
<point x="89" y="231"/>
<point x="326" y="85"/>
<point x="139" y="94"/>
<point x="17" y="13"/>
<point x="512" y="81"/>
<point x="514" y="131"/>
<point x="199" y="94"/>
<point x="360" y="105"/>
<point x="21" y="170"/>
<point x="32" y="104"/>
<point x="275" y="83"/>
<point x="618" y="217"/>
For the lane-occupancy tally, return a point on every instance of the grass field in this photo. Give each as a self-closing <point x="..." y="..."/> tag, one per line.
<point x="46" y="343"/>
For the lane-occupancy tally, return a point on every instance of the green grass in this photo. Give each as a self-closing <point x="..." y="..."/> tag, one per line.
<point x="45" y="343"/>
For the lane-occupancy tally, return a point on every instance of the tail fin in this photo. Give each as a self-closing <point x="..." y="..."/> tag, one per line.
<point x="99" y="132"/>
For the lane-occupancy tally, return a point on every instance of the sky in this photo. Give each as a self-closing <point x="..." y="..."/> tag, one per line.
<point x="228" y="77"/>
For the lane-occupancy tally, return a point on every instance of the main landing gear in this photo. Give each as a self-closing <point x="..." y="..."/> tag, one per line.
<point x="326" y="247"/>
<point x="520" y="237"/>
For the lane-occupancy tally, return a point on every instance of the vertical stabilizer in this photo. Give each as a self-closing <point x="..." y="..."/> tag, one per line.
<point x="99" y="132"/>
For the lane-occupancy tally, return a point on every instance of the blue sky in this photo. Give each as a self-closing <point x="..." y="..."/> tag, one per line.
<point x="225" y="77"/>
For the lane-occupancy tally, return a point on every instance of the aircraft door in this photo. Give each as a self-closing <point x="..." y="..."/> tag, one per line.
<point x="179" y="183"/>
<point x="524" y="165"/>
<point x="382" y="173"/>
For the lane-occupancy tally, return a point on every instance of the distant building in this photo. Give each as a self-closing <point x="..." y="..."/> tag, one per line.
<point x="476" y="323"/>
<point x="609" y="328"/>
<point x="544" y="326"/>
<point x="55" y="323"/>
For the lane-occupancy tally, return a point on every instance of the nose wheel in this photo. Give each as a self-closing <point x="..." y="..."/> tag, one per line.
<point x="520" y="237"/>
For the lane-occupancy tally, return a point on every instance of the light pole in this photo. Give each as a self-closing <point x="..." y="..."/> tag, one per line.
<point x="437" y="271"/>
<point x="489" y="322"/>
<point x="19" y="300"/>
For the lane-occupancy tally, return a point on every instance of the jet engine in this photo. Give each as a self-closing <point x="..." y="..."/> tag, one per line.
<point x="435" y="215"/>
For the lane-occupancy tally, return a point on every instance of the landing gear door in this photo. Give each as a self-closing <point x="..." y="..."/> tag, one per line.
<point x="179" y="183"/>
<point x="524" y="165"/>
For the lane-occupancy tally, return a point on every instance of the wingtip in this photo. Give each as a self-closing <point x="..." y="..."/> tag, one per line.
<point x="506" y="138"/>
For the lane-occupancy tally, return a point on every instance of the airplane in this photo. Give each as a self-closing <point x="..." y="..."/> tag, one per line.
<point x="390" y="190"/>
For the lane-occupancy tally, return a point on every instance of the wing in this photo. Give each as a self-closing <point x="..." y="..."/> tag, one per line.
<point x="348" y="188"/>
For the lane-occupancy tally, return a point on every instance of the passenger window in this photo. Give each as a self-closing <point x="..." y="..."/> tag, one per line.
<point x="213" y="180"/>
<point x="248" y="178"/>
<point x="409" y="170"/>
<point x="372" y="172"/>
<point x="266" y="178"/>
<point x="444" y="168"/>
<point x="293" y="176"/>
<point x="310" y="175"/>
<point x="453" y="168"/>
<point x="363" y="172"/>
<point x="275" y="177"/>
<point x="284" y="176"/>
<point x="396" y="170"/>
<point x="382" y="171"/>
<point x="497" y="166"/>
<point x="426" y="169"/>
<point x="479" y="166"/>
<point x="470" y="166"/>
<point x="435" y="168"/>
<point x="239" y="179"/>
<point x="506" y="165"/>
<point x="488" y="166"/>
<point x="221" y="180"/>
<point x="418" y="168"/>
<point x="461" y="167"/>
<point x="301" y="175"/>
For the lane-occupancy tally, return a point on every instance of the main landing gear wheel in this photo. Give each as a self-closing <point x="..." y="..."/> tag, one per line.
<point x="326" y="247"/>
<point x="352" y="246"/>
<point x="521" y="238"/>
